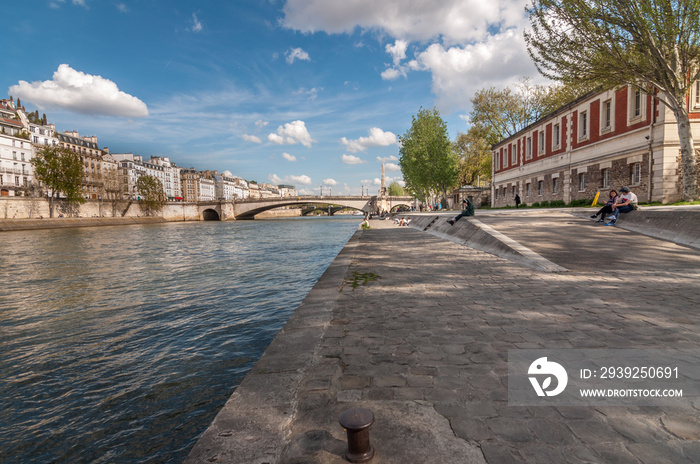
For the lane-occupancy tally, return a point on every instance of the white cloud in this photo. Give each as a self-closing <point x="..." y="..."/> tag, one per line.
<point x="397" y="51"/>
<point x="251" y="138"/>
<point x="454" y="21"/>
<point x="392" y="167"/>
<point x="296" y="54"/>
<point x="289" y="157"/>
<point x="80" y="93"/>
<point x="122" y="7"/>
<point x="350" y="159"/>
<point x="387" y="159"/>
<point x="458" y="72"/>
<point x="330" y="182"/>
<point x="377" y="138"/>
<point x="465" y="44"/>
<point x="294" y="180"/>
<point x="292" y="133"/>
<point x="260" y="123"/>
<point x="196" y="24"/>
<point x="310" y="93"/>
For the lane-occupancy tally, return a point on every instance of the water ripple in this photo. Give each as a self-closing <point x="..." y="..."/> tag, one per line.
<point x="120" y="344"/>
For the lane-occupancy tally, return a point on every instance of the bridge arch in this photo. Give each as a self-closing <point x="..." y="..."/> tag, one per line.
<point x="210" y="215"/>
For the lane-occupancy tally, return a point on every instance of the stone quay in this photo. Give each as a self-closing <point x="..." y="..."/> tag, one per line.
<point x="414" y="326"/>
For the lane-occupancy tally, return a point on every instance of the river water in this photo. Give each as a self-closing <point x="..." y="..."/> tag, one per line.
<point x="120" y="344"/>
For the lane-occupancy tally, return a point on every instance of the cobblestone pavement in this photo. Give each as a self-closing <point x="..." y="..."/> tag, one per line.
<point x="422" y="341"/>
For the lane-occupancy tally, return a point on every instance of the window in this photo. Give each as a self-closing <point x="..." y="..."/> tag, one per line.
<point x="555" y="185"/>
<point x="540" y="147"/>
<point x="607" y="115"/>
<point x="636" y="173"/>
<point x="528" y="152"/>
<point x="540" y="187"/>
<point x="504" y="153"/>
<point x="582" y="182"/>
<point x="513" y="155"/>
<point x="697" y="92"/>
<point x="583" y="125"/>
<point x="17" y="180"/>
<point x="14" y="155"/>
<point x="637" y="104"/>
<point x="556" y="135"/>
<point x="527" y="189"/>
<point x="497" y="161"/>
<point x="514" y="190"/>
<point x="606" y="178"/>
<point x="22" y="156"/>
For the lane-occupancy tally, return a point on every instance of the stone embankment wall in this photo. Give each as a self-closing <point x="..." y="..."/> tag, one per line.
<point x="36" y="208"/>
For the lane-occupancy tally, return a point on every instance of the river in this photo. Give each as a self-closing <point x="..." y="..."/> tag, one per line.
<point x="120" y="344"/>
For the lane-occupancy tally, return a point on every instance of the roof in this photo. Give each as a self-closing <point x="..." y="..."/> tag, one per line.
<point x="12" y="122"/>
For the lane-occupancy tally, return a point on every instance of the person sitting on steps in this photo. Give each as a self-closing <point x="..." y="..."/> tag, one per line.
<point x="468" y="211"/>
<point x="608" y="208"/>
<point x="628" y="202"/>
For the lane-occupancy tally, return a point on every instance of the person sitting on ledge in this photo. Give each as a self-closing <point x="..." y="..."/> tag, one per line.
<point x="628" y="202"/>
<point x="468" y="211"/>
<point x="608" y="208"/>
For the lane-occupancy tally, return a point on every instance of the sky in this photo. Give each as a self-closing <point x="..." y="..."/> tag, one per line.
<point x="312" y="93"/>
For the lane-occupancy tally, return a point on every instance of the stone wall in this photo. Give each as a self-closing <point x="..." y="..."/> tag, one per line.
<point x="569" y="186"/>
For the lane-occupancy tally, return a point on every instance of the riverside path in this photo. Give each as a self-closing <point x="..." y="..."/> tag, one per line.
<point x="422" y="337"/>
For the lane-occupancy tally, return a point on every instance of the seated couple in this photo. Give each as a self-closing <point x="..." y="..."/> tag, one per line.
<point x="617" y="204"/>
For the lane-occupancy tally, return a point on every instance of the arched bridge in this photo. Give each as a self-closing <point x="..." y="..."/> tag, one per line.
<point x="247" y="209"/>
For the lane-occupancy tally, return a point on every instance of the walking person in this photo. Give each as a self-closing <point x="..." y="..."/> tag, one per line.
<point x="517" y="201"/>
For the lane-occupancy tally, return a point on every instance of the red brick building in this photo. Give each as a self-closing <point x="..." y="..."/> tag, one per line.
<point x="602" y="141"/>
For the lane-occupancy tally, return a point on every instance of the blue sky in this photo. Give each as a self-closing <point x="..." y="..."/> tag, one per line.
<point x="303" y="92"/>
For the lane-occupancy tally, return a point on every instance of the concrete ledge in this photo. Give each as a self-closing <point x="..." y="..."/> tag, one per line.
<point x="676" y="224"/>
<point x="254" y="425"/>
<point x="59" y="223"/>
<point x="474" y="234"/>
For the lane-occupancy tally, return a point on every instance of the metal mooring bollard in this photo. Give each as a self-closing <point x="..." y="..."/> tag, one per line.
<point x="357" y="422"/>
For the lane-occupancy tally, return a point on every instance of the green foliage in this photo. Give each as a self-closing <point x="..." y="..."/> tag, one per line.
<point x="60" y="171"/>
<point x="536" y="204"/>
<point x="361" y="279"/>
<point x="581" y="202"/>
<point x="557" y="204"/>
<point x="427" y="161"/>
<point x="151" y="192"/>
<point x="395" y="189"/>
<point x="474" y="152"/>
<point x="653" y="45"/>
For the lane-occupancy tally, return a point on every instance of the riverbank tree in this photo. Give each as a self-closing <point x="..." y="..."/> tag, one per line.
<point x="652" y="45"/>
<point x="60" y="171"/>
<point x="428" y="164"/>
<point x="152" y="198"/>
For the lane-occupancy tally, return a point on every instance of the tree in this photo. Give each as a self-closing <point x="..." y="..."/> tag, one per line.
<point x="151" y="192"/>
<point x="395" y="190"/>
<point x="60" y="171"/>
<point x="652" y="45"/>
<point x="474" y="152"/>
<point x="427" y="161"/>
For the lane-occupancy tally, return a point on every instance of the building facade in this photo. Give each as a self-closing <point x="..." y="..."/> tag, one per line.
<point x="91" y="157"/>
<point x="602" y="141"/>
<point x="16" y="151"/>
<point x="132" y="166"/>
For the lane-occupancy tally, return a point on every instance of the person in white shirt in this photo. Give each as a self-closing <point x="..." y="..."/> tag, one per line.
<point x="628" y="202"/>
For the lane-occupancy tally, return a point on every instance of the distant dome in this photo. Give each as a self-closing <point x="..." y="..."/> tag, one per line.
<point x="227" y="174"/>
